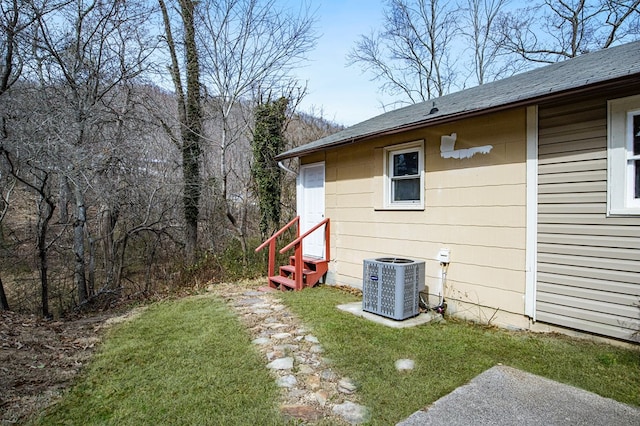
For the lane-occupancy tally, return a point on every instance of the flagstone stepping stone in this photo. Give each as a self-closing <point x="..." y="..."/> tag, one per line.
<point x="346" y="385"/>
<point x="321" y="397"/>
<point x="296" y="394"/>
<point x="261" y="306"/>
<point x="328" y="375"/>
<point x="405" y="364"/>
<point x="352" y="413"/>
<point x="301" y="412"/>
<point x="276" y="325"/>
<point x="287" y="381"/>
<point x="316" y="349"/>
<point x="286" y="347"/>
<point x="252" y="301"/>
<point x="311" y="339"/>
<point x="281" y="364"/>
<point x="261" y="341"/>
<point x="305" y="369"/>
<point x="281" y="336"/>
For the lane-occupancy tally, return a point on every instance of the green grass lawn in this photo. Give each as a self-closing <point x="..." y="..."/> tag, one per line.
<point x="186" y="362"/>
<point x="449" y="355"/>
<point x="190" y="362"/>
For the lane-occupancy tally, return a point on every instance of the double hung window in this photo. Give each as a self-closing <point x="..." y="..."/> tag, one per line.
<point x="404" y="176"/>
<point x="623" y="191"/>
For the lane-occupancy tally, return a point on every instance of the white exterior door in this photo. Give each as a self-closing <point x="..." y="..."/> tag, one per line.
<point x="310" y="206"/>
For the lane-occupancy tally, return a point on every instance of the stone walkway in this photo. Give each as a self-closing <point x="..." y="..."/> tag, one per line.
<point x="311" y="390"/>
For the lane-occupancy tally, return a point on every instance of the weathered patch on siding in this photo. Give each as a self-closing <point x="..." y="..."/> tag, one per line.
<point x="447" y="143"/>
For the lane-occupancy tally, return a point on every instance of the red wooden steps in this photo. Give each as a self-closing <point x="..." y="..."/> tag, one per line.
<point x="313" y="270"/>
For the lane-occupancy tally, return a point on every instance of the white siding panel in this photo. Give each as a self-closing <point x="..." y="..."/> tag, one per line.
<point x="586" y="219"/>
<point x="588" y="263"/>
<point x="564" y="188"/>
<point x="589" y="240"/>
<point x="570" y="209"/>
<point x="575" y="166"/>
<point x="588" y="294"/>
<point x="590" y="308"/>
<point x="594" y="273"/>
<point x="581" y="176"/>
<point x="604" y="230"/>
<point x="591" y="262"/>
<point x="602" y="285"/>
<point x="563" y="318"/>
<point x="574" y="197"/>
<point x="578" y="156"/>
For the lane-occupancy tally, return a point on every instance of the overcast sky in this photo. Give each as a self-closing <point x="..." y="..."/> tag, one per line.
<point x="344" y="94"/>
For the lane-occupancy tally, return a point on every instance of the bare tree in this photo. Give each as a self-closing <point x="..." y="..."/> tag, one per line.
<point x="36" y="177"/>
<point x="7" y="185"/>
<point x="249" y="47"/>
<point x="189" y="136"/>
<point x="15" y="19"/>
<point x="557" y="30"/>
<point x="410" y="55"/>
<point x="85" y="51"/>
<point x="479" y="26"/>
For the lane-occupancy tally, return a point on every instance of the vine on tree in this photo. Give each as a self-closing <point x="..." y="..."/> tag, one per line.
<point x="269" y="141"/>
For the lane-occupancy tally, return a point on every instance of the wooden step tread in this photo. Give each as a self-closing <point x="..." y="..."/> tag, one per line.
<point x="292" y="269"/>
<point x="311" y="260"/>
<point x="287" y="282"/>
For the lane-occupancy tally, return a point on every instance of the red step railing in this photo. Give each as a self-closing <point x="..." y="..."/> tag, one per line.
<point x="271" y="242"/>
<point x="297" y="243"/>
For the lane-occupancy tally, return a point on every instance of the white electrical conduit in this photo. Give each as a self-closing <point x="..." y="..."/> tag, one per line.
<point x="286" y="169"/>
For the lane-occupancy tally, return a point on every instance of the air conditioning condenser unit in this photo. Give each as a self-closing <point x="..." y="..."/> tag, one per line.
<point x="391" y="287"/>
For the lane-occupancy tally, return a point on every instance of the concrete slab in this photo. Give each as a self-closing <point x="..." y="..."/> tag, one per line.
<point x="508" y="396"/>
<point x="355" y="308"/>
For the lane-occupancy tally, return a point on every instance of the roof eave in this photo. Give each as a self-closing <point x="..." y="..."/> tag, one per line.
<point x="634" y="78"/>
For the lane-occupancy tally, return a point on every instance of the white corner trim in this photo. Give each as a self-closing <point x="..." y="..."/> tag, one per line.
<point x="447" y="143"/>
<point x="532" y="214"/>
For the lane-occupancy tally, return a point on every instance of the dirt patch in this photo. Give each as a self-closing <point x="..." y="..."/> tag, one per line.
<point x="39" y="359"/>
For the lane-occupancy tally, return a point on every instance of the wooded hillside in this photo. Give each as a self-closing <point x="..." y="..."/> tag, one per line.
<point x="122" y="170"/>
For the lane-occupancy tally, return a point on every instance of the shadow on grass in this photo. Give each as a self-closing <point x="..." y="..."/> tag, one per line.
<point x="450" y="354"/>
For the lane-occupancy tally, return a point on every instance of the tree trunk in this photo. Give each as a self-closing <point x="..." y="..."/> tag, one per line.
<point x="191" y="135"/>
<point x="44" y="278"/>
<point x="4" y="303"/>
<point x="190" y="117"/>
<point x="91" y="276"/>
<point x="63" y="203"/>
<point x="45" y="212"/>
<point x="191" y="170"/>
<point x="79" y="277"/>
<point x="108" y="220"/>
<point x="120" y="261"/>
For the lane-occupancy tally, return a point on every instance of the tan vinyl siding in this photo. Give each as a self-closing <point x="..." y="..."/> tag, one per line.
<point x="588" y="263"/>
<point x="475" y="207"/>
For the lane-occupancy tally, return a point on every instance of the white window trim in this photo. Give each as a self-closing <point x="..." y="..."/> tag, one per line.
<point x="619" y="183"/>
<point x="398" y="149"/>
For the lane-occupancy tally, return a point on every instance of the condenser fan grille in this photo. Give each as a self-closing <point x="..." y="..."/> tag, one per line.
<point x="391" y="286"/>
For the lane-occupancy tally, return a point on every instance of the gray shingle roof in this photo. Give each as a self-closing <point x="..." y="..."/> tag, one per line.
<point x="592" y="69"/>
